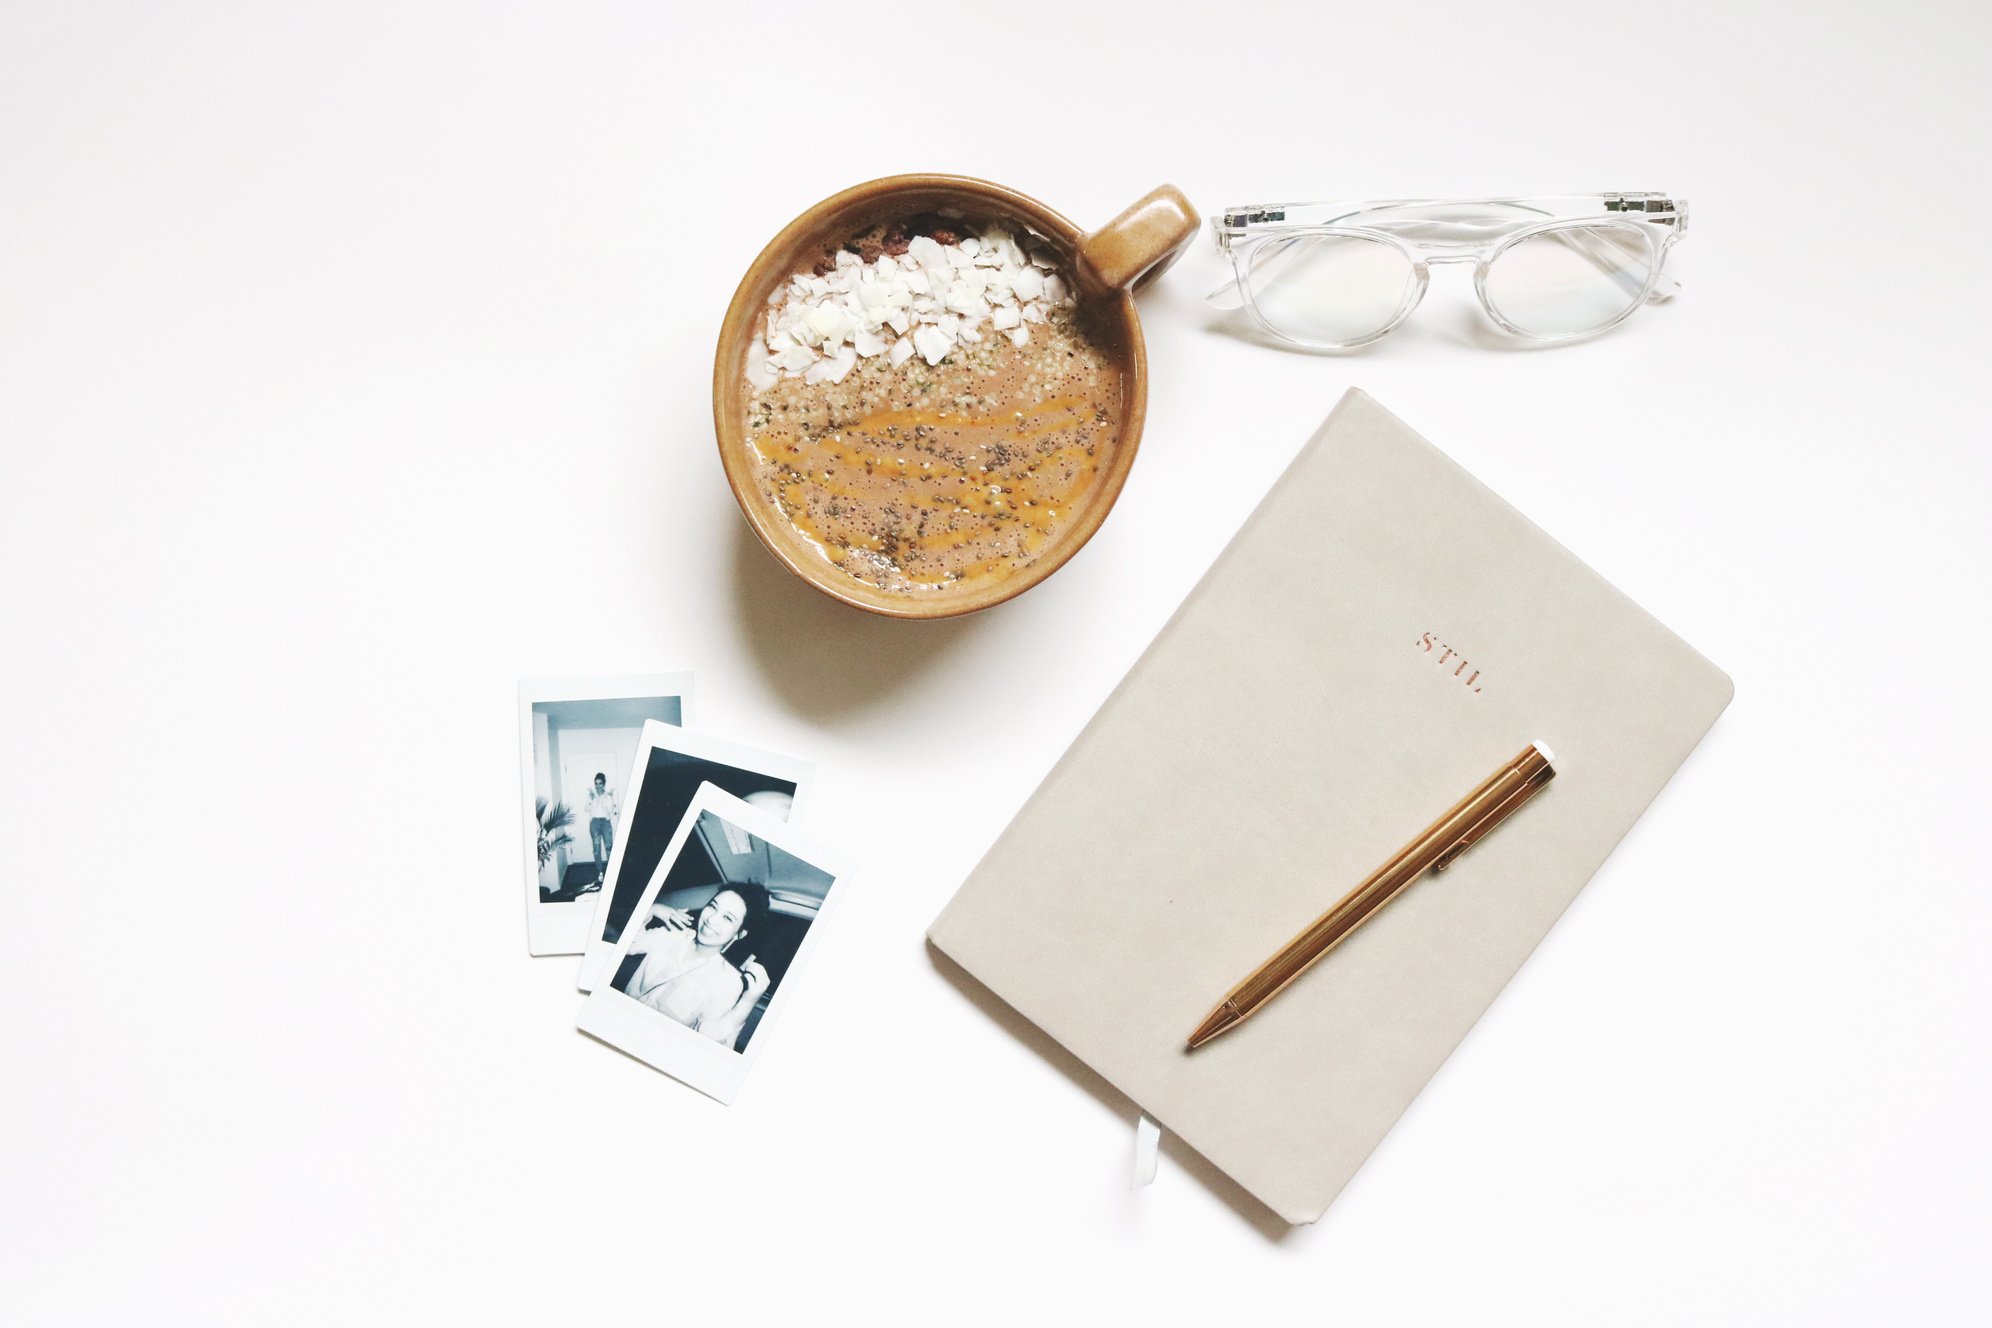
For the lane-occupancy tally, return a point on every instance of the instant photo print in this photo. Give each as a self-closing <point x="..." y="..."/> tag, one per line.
<point x="711" y="954"/>
<point x="670" y="766"/>
<point x="578" y="739"/>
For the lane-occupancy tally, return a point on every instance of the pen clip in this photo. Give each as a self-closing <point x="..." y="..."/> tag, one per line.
<point x="1501" y="812"/>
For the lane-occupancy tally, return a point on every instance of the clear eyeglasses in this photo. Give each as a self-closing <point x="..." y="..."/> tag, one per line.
<point x="1556" y="268"/>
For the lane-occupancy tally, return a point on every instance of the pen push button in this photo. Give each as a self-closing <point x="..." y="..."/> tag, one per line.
<point x="1499" y="813"/>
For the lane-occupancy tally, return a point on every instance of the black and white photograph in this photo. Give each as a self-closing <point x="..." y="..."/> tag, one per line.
<point x="579" y="738"/>
<point x="669" y="766"/>
<point x="721" y="929"/>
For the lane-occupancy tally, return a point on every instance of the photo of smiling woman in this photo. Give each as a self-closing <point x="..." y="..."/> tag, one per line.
<point x="684" y="972"/>
<point x="722" y="931"/>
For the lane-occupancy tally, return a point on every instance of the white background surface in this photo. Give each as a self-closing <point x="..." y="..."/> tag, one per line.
<point x="354" y="364"/>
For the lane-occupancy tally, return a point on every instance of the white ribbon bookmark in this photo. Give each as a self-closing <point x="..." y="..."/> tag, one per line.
<point x="1147" y="1149"/>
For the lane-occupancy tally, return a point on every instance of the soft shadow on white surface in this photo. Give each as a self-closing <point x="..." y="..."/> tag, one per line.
<point x="1261" y="1218"/>
<point x="826" y="660"/>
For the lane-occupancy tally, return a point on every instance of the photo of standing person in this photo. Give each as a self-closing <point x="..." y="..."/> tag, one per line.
<point x="574" y="734"/>
<point x="601" y="823"/>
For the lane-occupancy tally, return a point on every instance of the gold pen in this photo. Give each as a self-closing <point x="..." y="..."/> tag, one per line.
<point x="1443" y="840"/>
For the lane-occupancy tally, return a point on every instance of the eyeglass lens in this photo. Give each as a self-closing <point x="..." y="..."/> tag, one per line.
<point x="1330" y="289"/>
<point x="1571" y="280"/>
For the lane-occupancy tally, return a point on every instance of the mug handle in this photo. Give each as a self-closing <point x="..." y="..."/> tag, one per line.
<point x="1138" y="245"/>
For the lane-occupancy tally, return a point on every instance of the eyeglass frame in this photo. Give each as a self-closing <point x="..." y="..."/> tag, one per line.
<point x="1662" y="219"/>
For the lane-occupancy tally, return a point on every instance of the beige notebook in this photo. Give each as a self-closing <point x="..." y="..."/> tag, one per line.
<point x="1380" y="636"/>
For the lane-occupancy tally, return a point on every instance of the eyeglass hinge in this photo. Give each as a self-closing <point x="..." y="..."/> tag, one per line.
<point x="1231" y="223"/>
<point x="1645" y="202"/>
<point x="1239" y="218"/>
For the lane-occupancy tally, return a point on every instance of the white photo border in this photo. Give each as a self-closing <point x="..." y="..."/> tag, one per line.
<point x="598" y="957"/>
<point x="563" y="929"/>
<point x="662" y="1042"/>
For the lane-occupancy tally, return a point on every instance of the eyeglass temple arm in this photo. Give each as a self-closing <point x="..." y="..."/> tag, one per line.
<point x="1660" y="208"/>
<point x="1234" y="223"/>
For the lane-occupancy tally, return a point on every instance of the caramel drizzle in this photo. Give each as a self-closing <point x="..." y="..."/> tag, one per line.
<point x="1032" y="503"/>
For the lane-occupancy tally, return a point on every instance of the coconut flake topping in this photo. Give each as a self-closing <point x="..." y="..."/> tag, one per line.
<point x="923" y="302"/>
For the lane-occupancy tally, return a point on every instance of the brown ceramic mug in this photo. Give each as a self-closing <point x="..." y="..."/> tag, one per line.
<point x="1106" y="266"/>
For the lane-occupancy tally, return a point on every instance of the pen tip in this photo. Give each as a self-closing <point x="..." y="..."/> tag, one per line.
<point x="1223" y="1017"/>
